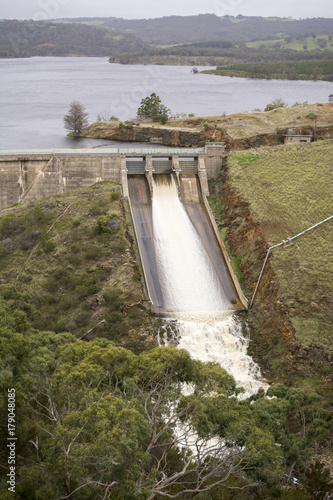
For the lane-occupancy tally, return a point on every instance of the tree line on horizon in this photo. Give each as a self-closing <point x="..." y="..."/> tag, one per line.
<point x="204" y="35"/>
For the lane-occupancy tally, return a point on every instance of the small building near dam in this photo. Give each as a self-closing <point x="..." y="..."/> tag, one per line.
<point x="293" y="136"/>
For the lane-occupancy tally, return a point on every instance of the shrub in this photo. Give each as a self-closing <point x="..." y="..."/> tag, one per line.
<point x="60" y="326"/>
<point x="82" y="291"/>
<point x="249" y="159"/>
<point x="49" y="246"/>
<point x="93" y="253"/>
<point x="115" y="317"/>
<point x="107" y="224"/>
<point x="74" y="259"/>
<point x="115" y="195"/>
<point x="311" y="115"/>
<point x="206" y="126"/>
<point x="277" y="103"/>
<point x="9" y="224"/>
<point x="76" y="222"/>
<point x="60" y="274"/>
<point x="98" y="209"/>
<point x="69" y="301"/>
<point x="113" y="299"/>
<point x="29" y="239"/>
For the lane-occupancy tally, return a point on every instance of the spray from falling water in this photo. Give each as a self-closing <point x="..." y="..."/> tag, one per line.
<point x="203" y="321"/>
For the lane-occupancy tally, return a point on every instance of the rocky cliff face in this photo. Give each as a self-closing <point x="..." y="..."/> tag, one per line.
<point x="182" y="137"/>
<point x="155" y="134"/>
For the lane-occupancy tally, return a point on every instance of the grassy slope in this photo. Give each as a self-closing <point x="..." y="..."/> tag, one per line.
<point x="244" y="125"/>
<point x="289" y="189"/>
<point x="76" y="276"/>
<point x="312" y="43"/>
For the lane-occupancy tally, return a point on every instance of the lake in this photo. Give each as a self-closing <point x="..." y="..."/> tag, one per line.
<point x="36" y="93"/>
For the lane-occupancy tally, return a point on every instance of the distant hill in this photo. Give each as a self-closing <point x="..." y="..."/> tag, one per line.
<point x="40" y="38"/>
<point x="113" y="37"/>
<point x="207" y="27"/>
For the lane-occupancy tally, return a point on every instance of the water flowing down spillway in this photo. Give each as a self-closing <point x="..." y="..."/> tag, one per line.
<point x="203" y="320"/>
<point x="187" y="276"/>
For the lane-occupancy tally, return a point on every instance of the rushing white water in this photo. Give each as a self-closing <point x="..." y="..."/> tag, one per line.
<point x="188" y="279"/>
<point x="218" y="339"/>
<point x="203" y="321"/>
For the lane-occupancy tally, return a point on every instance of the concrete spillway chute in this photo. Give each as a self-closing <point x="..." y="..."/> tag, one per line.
<point x="197" y="209"/>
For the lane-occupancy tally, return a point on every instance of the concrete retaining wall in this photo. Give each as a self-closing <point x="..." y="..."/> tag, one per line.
<point x="37" y="178"/>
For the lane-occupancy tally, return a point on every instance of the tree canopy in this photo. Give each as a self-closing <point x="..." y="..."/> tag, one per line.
<point x="152" y="107"/>
<point x="98" y="421"/>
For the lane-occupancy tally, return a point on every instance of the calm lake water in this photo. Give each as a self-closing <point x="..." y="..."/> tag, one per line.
<point x="36" y="93"/>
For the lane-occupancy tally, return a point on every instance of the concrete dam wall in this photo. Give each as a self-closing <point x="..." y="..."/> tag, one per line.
<point x="34" y="175"/>
<point x="34" y="178"/>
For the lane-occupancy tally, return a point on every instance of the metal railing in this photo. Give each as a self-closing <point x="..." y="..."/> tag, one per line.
<point x="282" y="243"/>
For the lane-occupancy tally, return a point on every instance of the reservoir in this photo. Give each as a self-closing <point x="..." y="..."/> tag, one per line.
<point x="36" y="93"/>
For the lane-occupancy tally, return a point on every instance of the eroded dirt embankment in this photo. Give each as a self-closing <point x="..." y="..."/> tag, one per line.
<point x="246" y="239"/>
<point x="273" y="343"/>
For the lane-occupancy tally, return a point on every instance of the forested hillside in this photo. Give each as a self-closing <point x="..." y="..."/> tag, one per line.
<point x="207" y="34"/>
<point x="30" y="38"/>
<point x="219" y="53"/>
<point x="286" y="70"/>
<point x="206" y="27"/>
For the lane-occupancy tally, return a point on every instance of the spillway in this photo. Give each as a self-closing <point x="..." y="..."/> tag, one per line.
<point x="187" y="278"/>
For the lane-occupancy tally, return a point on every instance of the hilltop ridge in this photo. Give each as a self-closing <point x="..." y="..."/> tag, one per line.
<point x="112" y="37"/>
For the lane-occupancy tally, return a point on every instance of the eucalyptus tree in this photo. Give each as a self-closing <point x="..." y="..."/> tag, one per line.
<point x="98" y="421"/>
<point x="152" y="107"/>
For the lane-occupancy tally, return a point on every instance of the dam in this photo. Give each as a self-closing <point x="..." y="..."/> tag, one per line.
<point x="187" y="273"/>
<point x="31" y="175"/>
<point x="174" y="226"/>
<point x="183" y="173"/>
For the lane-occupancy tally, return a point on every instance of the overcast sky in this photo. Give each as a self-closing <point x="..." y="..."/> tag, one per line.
<point x="139" y="9"/>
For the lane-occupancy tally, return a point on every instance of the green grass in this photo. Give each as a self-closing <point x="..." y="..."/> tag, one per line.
<point x="310" y="42"/>
<point x="289" y="189"/>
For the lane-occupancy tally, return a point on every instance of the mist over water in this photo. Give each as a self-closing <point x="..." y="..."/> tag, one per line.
<point x="202" y="320"/>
